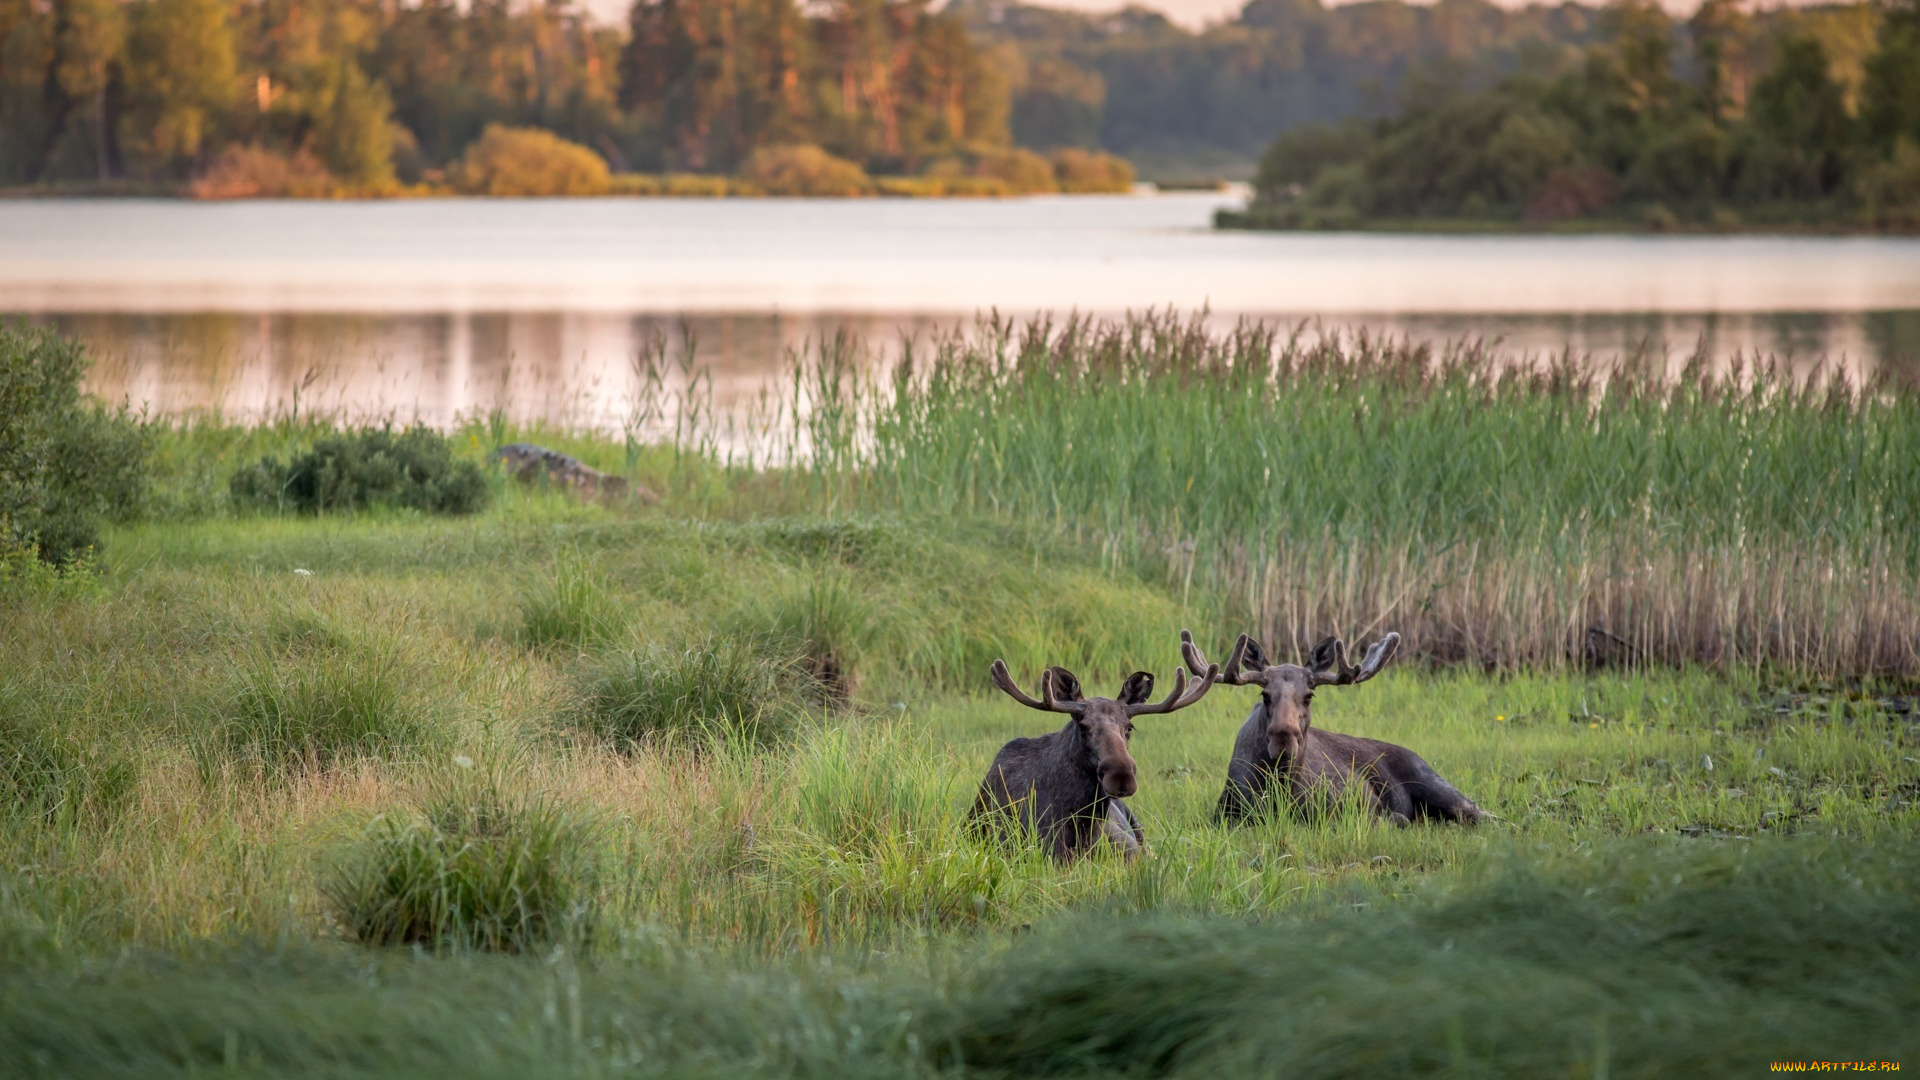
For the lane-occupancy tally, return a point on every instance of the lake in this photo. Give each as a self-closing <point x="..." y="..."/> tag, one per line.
<point x="441" y="308"/>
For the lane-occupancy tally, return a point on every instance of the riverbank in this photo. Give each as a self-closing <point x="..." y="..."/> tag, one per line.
<point x="517" y="782"/>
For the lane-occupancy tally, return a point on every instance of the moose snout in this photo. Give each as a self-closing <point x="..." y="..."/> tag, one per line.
<point x="1119" y="781"/>
<point x="1284" y="745"/>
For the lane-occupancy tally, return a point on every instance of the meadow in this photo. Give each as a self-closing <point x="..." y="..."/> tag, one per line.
<point x="562" y="788"/>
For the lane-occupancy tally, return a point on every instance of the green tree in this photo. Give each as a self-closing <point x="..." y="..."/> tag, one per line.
<point x="89" y="36"/>
<point x="27" y="122"/>
<point x="1799" y="112"/>
<point x="351" y="131"/>
<point x="182" y="77"/>
<point x="1890" y="110"/>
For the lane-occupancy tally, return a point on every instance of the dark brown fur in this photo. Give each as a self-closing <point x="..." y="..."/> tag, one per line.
<point x="1279" y="752"/>
<point x="1069" y="787"/>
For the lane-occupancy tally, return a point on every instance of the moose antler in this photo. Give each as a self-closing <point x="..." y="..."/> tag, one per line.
<point x="1180" y="698"/>
<point x="1229" y="674"/>
<point x="1046" y="703"/>
<point x="1332" y="654"/>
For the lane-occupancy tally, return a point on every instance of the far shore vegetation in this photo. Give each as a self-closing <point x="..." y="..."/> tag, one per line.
<point x="1801" y="119"/>
<point x="330" y="749"/>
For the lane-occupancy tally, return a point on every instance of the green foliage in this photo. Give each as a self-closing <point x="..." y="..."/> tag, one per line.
<point x="482" y="864"/>
<point x="573" y="607"/>
<point x="528" y="161"/>
<point x="729" y="689"/>
<point x="1290" y="473"/>
<point x="313" y="708"/>
<point x="66" y="464"/>
<point x="414" y="468"/>
<point x="51" y="766"/>
<point x="1528" y="971"/>
<point x="827" y="624"/>
<point x="351" y="132"/>
<point x="183" y="70"/>
<point x="1624" y="126"/>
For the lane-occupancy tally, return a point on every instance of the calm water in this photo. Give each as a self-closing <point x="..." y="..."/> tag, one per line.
<point x="440" y="308"/>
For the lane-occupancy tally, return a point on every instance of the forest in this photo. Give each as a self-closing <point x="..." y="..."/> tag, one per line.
<point x="307" y="96"/>
<point x="1795" y="118"/>
<point x="1734" y="112"/>
<point x="359" y="96"/>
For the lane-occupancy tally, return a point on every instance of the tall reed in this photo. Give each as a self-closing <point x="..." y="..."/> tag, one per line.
<point x="1495" y="512"/>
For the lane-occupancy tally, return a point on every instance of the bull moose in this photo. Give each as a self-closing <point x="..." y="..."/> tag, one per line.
<point x="1069" y="787"/>
<point x="1279" y="748"/>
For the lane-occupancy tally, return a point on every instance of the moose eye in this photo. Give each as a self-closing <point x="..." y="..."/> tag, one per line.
<point x="1308" y="700"/>
<point x="1129" y="729"/>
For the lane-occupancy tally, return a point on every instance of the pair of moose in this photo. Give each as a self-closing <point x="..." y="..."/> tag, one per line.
<point x="1070" y="787"/>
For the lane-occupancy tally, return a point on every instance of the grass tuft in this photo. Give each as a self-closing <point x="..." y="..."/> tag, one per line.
<point x="826" y="622"/>
<point x="480" y="864"/>
<point x="717" y="689"/>
<point x="573" y="607"/>
<point x="312" y="709"/>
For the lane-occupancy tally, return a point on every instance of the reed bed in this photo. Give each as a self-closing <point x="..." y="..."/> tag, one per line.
<point x="1497" y="512"/>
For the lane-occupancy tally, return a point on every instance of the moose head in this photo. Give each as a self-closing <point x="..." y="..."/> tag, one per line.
<point x="1104" y="724"/>
<point x="1286" y="690"/>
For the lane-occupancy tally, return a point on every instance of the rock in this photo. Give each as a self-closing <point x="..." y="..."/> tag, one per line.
<point x="527" y="463"/>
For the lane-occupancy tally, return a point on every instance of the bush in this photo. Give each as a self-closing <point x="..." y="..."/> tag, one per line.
<point x="1091" y="171"/>
<point x="370" y="467"/>
<point x="253" y="172"/>
<point x="717" y="689"/>
<point x="481" y="865"/>
<point x="805" y="171"/>
<point x="508" y="161"/>
<point x="314" y="710"/>
<point x="65" y="463"/>
<point x="1022" y="171"/>
<point x="1890" y="191"/>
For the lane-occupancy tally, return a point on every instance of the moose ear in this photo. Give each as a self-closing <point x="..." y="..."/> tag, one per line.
<point x="1252" y="659"/>
<point x="1137" y="689"/>
<point x="1324" y="655"/>
<point x="1065" y="686"/>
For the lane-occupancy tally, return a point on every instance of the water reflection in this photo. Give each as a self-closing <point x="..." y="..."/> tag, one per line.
<point x="577" y="369"/>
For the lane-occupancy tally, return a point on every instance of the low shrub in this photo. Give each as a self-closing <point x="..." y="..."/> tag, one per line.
<point x="804" y="170"/>
<point x="352" y="470"/>
<point x="66" y="464"/>
<point x="507" y="161"/>
<point x="254" y="172"/>
<point x="936" y="187"/>
<point x="1091" y="171"/>
<point x="726" y="689"/>
<point x="311" y="710"/>
<point x="480" y="865"/>
<point x="1022" y="171"/>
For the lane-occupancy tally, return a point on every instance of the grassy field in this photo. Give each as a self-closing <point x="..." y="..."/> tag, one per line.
<point x="561" y="789"/>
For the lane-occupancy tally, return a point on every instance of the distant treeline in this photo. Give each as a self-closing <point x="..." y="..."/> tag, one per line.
<point x="308" y="96"/>
<point x="318" y="96"/>
<point x="1791" y="118"/>
<point x="1196" y="102"/>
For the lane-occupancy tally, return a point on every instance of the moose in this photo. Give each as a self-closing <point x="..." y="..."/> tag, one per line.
<point x="1069" y="787"/>
<point x="1278" y="746"/>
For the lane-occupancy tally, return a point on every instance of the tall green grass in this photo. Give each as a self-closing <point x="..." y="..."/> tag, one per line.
<point x="1629" y="960"/>
<point x="1495" y="513"/>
